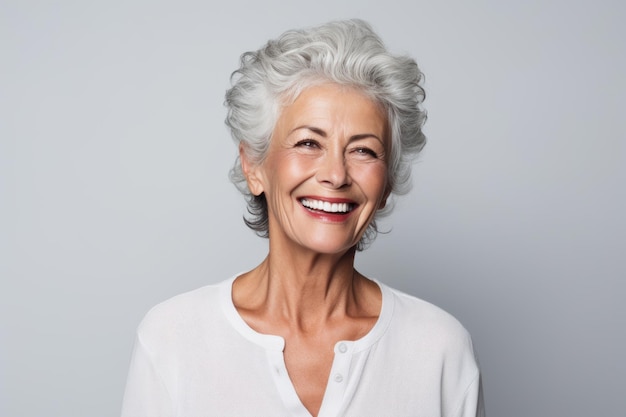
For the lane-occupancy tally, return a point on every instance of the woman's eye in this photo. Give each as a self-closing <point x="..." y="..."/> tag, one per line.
<point x="365" y="152"/>
<point x="307" y="143"/>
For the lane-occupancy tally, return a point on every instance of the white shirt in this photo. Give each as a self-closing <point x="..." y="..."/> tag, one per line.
<point x="195" y="356"/>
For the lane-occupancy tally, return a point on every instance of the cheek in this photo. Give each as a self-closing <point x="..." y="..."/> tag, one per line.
<point x="299" y="166"/>
<point x="289" y="170"/>
<point x="372" y="178"/>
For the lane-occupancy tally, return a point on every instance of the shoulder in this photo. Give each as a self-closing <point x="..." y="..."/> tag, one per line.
<point x="420" y="322"/>
<point x="433" y="342"/>
<point x="181" y="314"/>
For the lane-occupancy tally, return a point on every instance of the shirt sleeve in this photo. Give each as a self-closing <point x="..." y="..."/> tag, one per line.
<point x="469" y="400"/>
<point x="472" y="404"/>
<point x="146" y="394"/>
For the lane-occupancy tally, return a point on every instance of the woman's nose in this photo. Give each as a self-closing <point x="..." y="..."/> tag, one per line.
<point x="333" y="171"/>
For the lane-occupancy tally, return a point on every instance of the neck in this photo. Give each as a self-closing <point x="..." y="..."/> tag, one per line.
<point x="301" y="287"/>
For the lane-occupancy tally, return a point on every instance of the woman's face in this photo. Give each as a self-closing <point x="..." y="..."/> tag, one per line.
<point x="325" y="174"/>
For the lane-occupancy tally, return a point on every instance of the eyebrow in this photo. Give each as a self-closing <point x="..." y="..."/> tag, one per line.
<point x="322" y="133"/>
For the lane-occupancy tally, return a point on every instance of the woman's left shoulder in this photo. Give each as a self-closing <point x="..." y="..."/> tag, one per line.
<point x="416" y="318"/>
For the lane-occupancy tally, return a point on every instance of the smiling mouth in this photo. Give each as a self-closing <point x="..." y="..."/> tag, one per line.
<point x="326" y="206"/>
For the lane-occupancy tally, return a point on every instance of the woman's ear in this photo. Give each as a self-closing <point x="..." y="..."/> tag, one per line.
<point x="251" y="171"/>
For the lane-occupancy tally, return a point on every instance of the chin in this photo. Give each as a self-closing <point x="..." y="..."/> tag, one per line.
<point x="329" y="246"/>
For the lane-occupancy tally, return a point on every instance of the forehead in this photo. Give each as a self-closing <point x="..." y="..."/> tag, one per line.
<point x="334" y="107"/>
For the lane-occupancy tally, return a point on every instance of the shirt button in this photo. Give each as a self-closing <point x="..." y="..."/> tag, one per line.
<point x="338" y="378"/>
<point x="343" y="348"/>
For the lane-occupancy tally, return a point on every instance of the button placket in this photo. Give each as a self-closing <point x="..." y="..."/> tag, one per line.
<point x="342" y="349"/>
<point x="338" y="380"/>
<point x="342" y="363"/>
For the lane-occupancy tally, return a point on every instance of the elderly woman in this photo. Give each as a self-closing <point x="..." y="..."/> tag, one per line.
<point x="327" y="122"/>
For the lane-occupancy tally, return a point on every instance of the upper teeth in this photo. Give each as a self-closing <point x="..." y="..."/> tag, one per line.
<point x="326" y="206"/>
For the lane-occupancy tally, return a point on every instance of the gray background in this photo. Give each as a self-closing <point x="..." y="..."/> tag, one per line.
<point x="114" y="191"/>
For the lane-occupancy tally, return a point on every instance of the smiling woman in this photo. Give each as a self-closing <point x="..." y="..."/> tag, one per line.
<point x="327" y="155"/>
<point x="327" y="122"/>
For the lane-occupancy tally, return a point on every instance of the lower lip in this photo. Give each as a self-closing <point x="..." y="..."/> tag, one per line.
<point x="328" y="217"/>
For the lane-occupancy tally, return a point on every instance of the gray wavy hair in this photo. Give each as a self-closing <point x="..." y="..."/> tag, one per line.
<point x="347" y="53"/>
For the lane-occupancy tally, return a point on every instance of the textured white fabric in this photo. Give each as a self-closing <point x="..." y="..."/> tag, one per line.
<point x="195" y="356"/>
